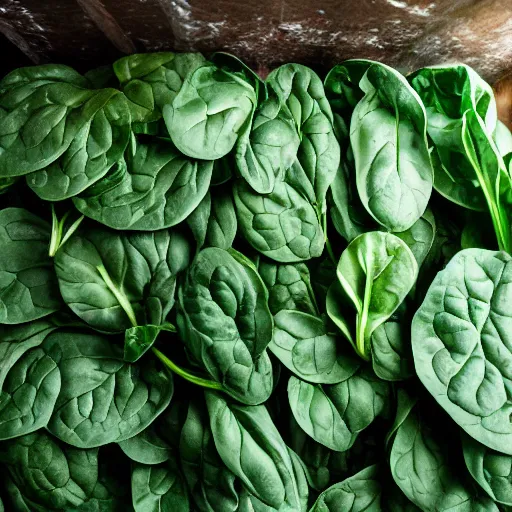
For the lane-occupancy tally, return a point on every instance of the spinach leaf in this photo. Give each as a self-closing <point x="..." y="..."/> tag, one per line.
<point x="420" y="236"/>
<point x="461" y="331"/>
<point x="152" y="80"/>
<point x="447" y="93"/>
<point x="213" y="223"/>
<point x="376" y="272"/>
<point x="49" y="474"/>
<point x="96" y="147"/>
<point x="222" y="223"/>
<point x="155" y="188"/>
<point x="289" y="287"/>
<point x="210" y="111"/>
<point x="348" y="215"/>
<point x="226" y="325"/>
<point x="28" y="394"/>
<point x="333" y="415"/>
<point x="43" y="109"/>
<point x="28" y="287"/>
<point x="212" y="485"/>
<point x="111" y="400"/>
<point x="389" y="142"/>
<point x="157" y="488"/>
<point x="391" y="350"/>
<point x="130" y="277"/>
<point x="503" y="139"/>
<point x="197" y="221"/>
<point x="281" y="225"/>
<point x="302" y="344"/>
<point x="139" y="339"/>
<point x="359" y="493"/>
<point x="252" y="448"/>
<point x="147" y="447"/>
<point x="112" y="490"/>
<point x="16" y="340"/>
<point x="492" y="470"/>
<point x="270" y="147"/>
<point x="302" y="91"/>
<point x="427" y="475"/>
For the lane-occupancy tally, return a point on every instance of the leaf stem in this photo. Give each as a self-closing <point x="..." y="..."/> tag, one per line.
<point x="194" y="379"/>
<point x="57" y="240"/>
<point x="119" y="295"/>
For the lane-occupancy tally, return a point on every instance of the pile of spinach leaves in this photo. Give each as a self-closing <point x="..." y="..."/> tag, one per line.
<point x="226" y="294"/>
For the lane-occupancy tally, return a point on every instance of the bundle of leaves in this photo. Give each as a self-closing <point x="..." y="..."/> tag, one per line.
<point x="221" y="294"/>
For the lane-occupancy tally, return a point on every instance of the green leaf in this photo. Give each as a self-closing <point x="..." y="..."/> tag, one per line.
<point x="333" y="415"/>
<point x="302" y="91"/>
<point x="97" y="146"/>
<point x="212" y="485"/>
<point x="420" y="236"/>
<point x="138" y="340"/>
<point x="152" y="80"/>
<point x="28" y="287"/>
<point x="492" y="470"/>
<point x="270" y="147"/>
<point x="359" y="493"/>
<point x="376" y="271"/>
<point x="130" y="277"/>
<point x="391" y="350"/>
<point x="102" y="398"/>
<point x="154" y="189"/>
<point x="44" y="108"/>
<point x="147" y="447"/>
<point x="302" y="344"/>
<point x="159" y="488"/>
<point x="447" y="93"/>
<point x="461" y="347"/>
<point x="281" y="225"/>
<point x="389" y="142"/>
<point x="252" y="448"/>
<point x="423" y="469"/>
<point x="49" y="474"/>
<point x="289" y="287"/>
<point x="222" y="224"/>
<point x="226" y="325"/>
<point x="212" y="108"/>
<point x="28" y="394"/>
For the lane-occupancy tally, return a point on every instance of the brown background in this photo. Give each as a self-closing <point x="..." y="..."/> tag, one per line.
<point x="403" y="33"/>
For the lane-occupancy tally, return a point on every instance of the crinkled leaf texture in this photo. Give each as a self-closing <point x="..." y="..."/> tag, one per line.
<point x="94" y="150"/>
<point x="333" y="415"/>
<point x="211" y="110"/>
<point x="50" y="475"/>
<point x="154" y="189"/>
<point x="253" y="449"/>
<point x="302" y="344"/>
<point x="282" y="225"/>
<point x="389" y="140"/>
<point x="102" y="398"/>
<point x="142" y="267"/>
<point x="28" y="287"/>
<point x="492" y="470"/>
<point x="359" y="493"/>
<point x="427" y="473"/>
<point x="462" y="344"/>
<point x="225" y="323"/>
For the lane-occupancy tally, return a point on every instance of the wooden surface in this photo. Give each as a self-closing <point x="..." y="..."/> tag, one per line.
<point x="404" y="33"/>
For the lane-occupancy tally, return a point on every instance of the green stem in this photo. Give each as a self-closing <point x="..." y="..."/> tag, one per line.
<point x="328" y="246"/>
<point x="57" y="240"/>
<point x="194" y="379"/>
<point x="119" y="295"/>
<point x="362" y="318"/>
